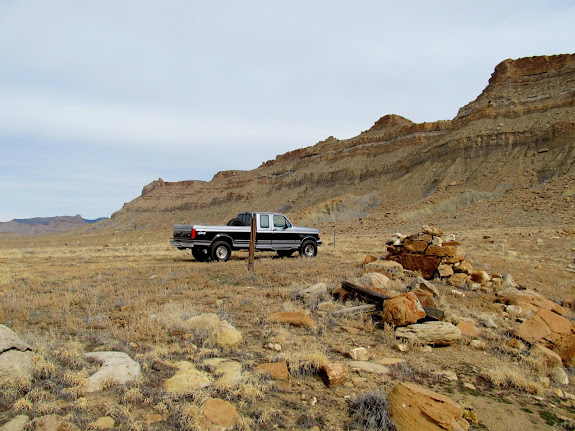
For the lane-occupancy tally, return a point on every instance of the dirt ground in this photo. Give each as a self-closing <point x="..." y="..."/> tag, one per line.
<point x="129" y="297"/>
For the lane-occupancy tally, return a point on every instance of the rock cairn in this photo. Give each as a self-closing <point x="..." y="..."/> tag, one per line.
<point x="435" y="256"/>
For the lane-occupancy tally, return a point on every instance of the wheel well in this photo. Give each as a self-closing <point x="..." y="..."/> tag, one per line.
<point x="223" y="238"/>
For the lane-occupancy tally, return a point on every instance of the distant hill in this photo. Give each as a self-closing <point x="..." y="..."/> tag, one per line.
<point x="40" y="225"/>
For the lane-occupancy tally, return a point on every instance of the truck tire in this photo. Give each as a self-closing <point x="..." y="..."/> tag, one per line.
<point x="200" y="254"/>
<point x="284" y="253"/>
<point x="236" y="222"/>
<point x="221" y="251"/>
<point x="308" y="248"/>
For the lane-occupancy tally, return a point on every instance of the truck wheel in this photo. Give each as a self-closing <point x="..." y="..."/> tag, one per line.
<point x="235" y="222"/>
<point x="200" y="254"/>
<point x="308" y="248"/>
<point x="221" y="251"/>
<point x="285" y="253"/>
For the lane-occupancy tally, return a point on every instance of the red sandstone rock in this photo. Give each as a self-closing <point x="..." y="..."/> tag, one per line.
<point x="276" y="370"/>
<point x="333" y="374"/>
<point x="443" y="251"/>
<point x="402" y="310"/>
<point x="419" y="263"/>
<point x="415" y="246"/>
<point x="415" y="408"/>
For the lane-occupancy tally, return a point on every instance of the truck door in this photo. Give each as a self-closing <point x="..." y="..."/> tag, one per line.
<point x="264" y="232"/>
<point x="283" y="236"/>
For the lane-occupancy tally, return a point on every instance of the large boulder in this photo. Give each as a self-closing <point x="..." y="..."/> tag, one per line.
<point x="433" y="333"/>
<point x="15" y="355"/>
<point x="116" y="366"/>
<point x="426" y="265"/>
<point x="530" y="301"/>
<point x="553" y="331"/>
<point x="414" y="408"/>
<point x="402" y="310"/>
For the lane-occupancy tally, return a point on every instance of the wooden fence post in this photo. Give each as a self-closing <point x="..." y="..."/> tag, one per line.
<point x="252" y="248"/>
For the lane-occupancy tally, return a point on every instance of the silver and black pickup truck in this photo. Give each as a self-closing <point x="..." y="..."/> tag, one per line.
<point x="274" y="232"/>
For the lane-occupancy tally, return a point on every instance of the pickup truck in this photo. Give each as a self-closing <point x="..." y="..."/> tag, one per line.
<point x="274" y="232"/>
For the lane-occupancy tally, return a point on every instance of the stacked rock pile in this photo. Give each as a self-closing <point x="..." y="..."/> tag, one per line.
<point x="435" y="255"/>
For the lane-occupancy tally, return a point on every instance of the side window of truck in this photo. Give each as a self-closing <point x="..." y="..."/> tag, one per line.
<point x="280" y="221"/>
<point x="264" y="221"/>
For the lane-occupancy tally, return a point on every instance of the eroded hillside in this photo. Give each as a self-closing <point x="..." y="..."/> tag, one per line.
<point x="513" y="144"/>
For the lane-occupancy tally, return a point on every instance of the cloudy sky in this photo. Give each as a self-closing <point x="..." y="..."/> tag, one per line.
<point x="98" y="99"/>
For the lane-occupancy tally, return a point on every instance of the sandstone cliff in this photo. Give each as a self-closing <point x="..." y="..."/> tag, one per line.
<point x="510" y="153"/>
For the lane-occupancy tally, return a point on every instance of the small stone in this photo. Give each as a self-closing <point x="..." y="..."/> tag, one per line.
<point x="187" y="379"/>
<point x="402" y="347"/>
<point x="445" y="270"/>
<point x="116" y="366"/>
<point x="104" y="423"/>
<point x="559" y="376"/>
<point x="446" y="374"/>
<point x="432" y="230"/>
<point x="225" y="335"/>
<point x="457" y="293"/>
<point x="548" y="356"/>
<point x="470" y="386"/>
<point x="437" y="241"/>
<point x="351" y="330"/>
<point x="277" y="347"/>
<point x="478" y="344"/>
<point x="220" y="413"/>
<point x="559" y="392"/>
<point x="369" y="258"/>
<point x="426" y="349"/>
<point x="459" y="279"/>
<point x="333" y="374"/>
<point x="359" y="354"/>
<point x="313" y="401"/>
<point x="133" y="345"/>
<point x="276" y="370"/>
<point x="486" y="320"/>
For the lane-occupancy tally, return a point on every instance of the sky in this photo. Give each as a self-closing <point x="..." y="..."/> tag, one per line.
<point x="98" y="99"/>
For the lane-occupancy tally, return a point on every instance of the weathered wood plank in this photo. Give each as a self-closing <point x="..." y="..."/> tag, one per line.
<point x="355" y="310"/>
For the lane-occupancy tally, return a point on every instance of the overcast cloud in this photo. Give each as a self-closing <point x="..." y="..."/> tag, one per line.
<point x="97" y="99"/>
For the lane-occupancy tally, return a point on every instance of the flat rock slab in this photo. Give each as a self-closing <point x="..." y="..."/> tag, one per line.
<point x="117" y="366"/>
<point x="16" y="364"/>
<point x="16" y="424"/>
<point x="187" y="379"/>
<point x="9" y="340"/>
<point x="53" y="423"/>
<point x="276" y="370"/>
<point x="433" y="333"/>
<point x="413" y="407"/>
<point x="225" y="370"/>
<point x="369" y="367"/>
<point x="219" y="414"/>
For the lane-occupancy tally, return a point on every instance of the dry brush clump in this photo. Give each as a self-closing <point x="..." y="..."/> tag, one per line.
<point x="370" y="412"/>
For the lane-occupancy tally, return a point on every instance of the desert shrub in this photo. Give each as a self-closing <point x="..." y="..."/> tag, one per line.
<point x="370" y="411"/>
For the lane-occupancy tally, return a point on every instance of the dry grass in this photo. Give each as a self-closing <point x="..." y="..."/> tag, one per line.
<point x="69" y="300"/>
